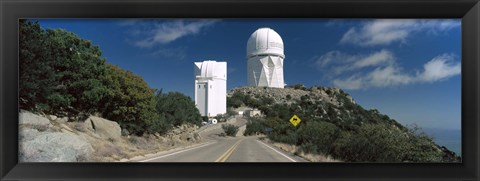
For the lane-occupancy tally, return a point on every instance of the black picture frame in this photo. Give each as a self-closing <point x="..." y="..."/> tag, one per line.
<point x="467" y="10"/>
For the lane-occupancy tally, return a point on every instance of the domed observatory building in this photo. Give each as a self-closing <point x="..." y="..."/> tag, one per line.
<point x="211" y="87"/>
<point x="265" y="59"/>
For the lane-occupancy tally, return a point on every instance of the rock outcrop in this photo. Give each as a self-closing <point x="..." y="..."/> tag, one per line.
<point x="39" y="141"/>
<point x="28" y="118"/>
<point x="183" y="134"/>
<point x="49" y="138"/>
<point x="53" y="147"/>
<point x="104" y="128"/>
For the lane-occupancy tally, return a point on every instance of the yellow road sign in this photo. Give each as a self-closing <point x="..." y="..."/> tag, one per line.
<point x="295" y="120"/>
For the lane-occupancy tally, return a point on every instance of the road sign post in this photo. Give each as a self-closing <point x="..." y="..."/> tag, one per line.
<point x="295" y="120"/>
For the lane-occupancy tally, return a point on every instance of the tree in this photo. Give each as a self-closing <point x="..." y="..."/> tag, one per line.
<point x="59" y="71"/>
<point x="177" y="108"/>
<point x="35" y="73"/>
<point x="129" y="100"/>
<point x="79" y="70"/>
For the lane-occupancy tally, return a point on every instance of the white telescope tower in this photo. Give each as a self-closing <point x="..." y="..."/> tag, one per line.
<point x="211" y="87"/>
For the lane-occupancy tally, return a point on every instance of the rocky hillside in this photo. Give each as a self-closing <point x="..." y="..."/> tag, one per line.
<point x="293" y="94"/>
<point x="334" y="125"/>
<point x="48" y="138"/>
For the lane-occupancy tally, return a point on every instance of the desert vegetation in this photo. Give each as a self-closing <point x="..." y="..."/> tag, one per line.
<point x="229" y="129"/>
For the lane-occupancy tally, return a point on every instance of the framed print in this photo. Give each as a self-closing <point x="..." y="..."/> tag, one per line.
<point x="158" y="90"/>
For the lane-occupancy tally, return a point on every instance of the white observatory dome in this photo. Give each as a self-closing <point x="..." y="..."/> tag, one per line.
<point x="210" y="69"/>
<point x="265" y="41"/>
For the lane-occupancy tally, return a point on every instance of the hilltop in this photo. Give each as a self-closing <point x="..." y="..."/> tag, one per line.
<point x="292" y="94"/>
<point x="333" y="124"/>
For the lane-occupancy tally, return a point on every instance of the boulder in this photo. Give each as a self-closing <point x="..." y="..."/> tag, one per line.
<point x="55" y="147"/>
<point x="28" y="118"/>
<point x="88" y="124"/>
<point x="104" y="128"/>
<point x="52" y="117"/>
<point x="62" y="120"/>
<point x="63" y="126"/>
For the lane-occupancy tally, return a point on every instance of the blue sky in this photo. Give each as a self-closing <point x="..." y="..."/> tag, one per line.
<point x="407" y="69"/>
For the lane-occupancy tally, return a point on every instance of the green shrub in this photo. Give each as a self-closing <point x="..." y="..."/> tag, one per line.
<point x="266" y="101"/>
<point x="421" y="147"/>
<point x="178" y="108"/>
<point x="372" y="143"/>
<point x="254" y="126"/>
<point x="234" y="102"/>
<point x="383" y="143"/>
<point x="231" y="112"/>
<point x="230" y="130"/>
<point x="289" y="137"/>
<point x="309" y="148"/>
<point x="298" y="86"/>
<point x="159" y="125"/>
<point x="319" y="135"/>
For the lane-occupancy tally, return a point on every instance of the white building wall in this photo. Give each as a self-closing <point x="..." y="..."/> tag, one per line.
<point x="265" y="71"/>
<point x="201" y="96"/>
<point x="211" y="87"/>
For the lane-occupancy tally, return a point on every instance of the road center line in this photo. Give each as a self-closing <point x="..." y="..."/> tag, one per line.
<point x="174" y="153"/>
<point x="228" y="152"/>
<point x="277" y="151"/>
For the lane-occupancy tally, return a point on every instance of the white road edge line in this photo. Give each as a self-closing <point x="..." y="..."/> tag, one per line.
<point x="174" y="153"/>
<point x="277" y="151"/>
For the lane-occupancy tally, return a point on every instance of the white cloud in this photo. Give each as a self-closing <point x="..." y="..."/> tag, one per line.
<point x="149" y="33"/>
<point x="387" y="31"/>
<point x="346" y="62"/>
<point x="380" y="77"/>
<point x="377" y="58"/>
<point x="440" y="67"/>
<point x="351" y="83"/>
<point x="333" y="57"/>
<point x="379" y="70"/>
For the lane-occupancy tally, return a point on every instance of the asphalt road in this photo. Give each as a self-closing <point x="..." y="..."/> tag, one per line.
<point x="238" y="149"/>
<point x="228" y="149"/>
